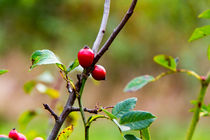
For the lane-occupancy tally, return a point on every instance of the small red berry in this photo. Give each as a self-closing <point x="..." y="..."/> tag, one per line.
<point x="99" y="72"/>
<point x="21" y="137"/>
<point x="13" y="134"/>
<point x="85" y="57"/>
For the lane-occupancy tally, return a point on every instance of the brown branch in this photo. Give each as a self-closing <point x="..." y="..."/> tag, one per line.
<point x="46" y="106"/>
<point x="115" y="32"/>
<point x="85" y="74"/>
<point x="95" y="111"/>
<point x="102" y="27"/>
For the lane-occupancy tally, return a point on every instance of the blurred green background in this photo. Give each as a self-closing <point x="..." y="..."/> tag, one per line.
<point x="65" y="26"/>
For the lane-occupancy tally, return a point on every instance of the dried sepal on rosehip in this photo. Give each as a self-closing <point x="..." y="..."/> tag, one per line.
<point x="99" y="73"/>
<point x="85" y="57"/>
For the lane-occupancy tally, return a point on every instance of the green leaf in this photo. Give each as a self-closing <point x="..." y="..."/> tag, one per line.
<point x="26" y="117"/>
<point x="130" y="137"/>
<point x="61" y="67"/>
<point x="3" y="71"/>
<point x="121" y="127"/>
<point x="65" y="133"/>
<point x="137" y="120"/>
<point x="109" y="114"/>
<point x="166" y="61"/>
<point x="42" y="57"/>
<point x="200" y="33"/>
<point x="205" y="14"/>
<point x="138" y="82"/>
<point x="145" y="134"/>
<point x="208" y="52"/>
<point x="29" y="86"/>
<point x="124" y="107"/>
<point x="73" y="65"/>
<point x="94" y="117"/>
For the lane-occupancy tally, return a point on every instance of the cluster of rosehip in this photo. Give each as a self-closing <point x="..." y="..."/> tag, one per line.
<point x="14" y="135"/>
<point x="86" y="57"/>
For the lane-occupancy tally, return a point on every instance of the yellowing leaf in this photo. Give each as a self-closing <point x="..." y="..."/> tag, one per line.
<point x="65" y="133"/>
<point x="52" y="93"/>
<point x="49" y="91"/>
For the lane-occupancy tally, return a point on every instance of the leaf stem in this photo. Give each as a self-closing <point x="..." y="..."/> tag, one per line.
<point x="192" y="73"/>
<point x="196" y="115"/>
<point x="145" y="134"/>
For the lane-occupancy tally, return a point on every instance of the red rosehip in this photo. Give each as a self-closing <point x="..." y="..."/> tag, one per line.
<point x="85" y="57"/>
<point x="21" y="137"/>
<point x="99" y="72"/>
<point x="13" y="134"/>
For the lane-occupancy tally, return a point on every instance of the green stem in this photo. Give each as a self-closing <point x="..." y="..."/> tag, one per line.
<point x="145" y="134"/>
<point x="192" y="73"/>
<point x="81" y="108"/>
<point x="196" y="115"/>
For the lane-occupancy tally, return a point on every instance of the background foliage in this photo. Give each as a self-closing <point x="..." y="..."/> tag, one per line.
<point x="65" y="26"/>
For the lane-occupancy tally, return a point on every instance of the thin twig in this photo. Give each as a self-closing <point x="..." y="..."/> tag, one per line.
<point x="47" y="107"/>
<point x="102" y="27"/>
<point x="115" y="32"/>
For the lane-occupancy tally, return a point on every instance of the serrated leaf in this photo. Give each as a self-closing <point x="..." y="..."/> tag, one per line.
<point x="3" y="71"/>
<point x="26" y="117"/>
<point x="138" y="82"/>
<point x="166" y="61"/>
<point x="109" y="114"/>
<point x="208" y="52"/>
<point x="124" y="107"/>
<point x="29" y="86"/>
<point x="65" y="133"/>
<point x="73" y="65"/>
<point x="205" y="14"/>
<point x="137" y="120"/>
<point x="94" y="117"/>
<point x="42" y="57"/>
<point x="130" y="137"/>
<point x="200" y="33"/>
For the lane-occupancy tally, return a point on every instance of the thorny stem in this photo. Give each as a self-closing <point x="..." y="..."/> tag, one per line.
<point x="196" y="115"/>
<point x="102" y="27"/>
<point x="84" y="75"/>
